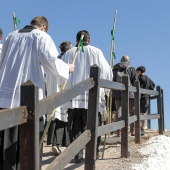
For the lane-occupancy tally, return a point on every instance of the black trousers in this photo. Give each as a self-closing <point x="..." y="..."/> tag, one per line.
<point x="77" y="124"/>
<point x="58" y="133"/>
<point x="9" y="147"/>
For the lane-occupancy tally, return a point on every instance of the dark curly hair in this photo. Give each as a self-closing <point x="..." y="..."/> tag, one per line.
<point x="141" y="68"/>
<point x="85" y="33"/>
<point x="64" y="46"/>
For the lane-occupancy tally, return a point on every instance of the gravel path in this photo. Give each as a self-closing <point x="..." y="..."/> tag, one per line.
<point x="112" y="155"/>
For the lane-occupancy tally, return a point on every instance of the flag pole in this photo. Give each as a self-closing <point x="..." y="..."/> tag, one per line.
<point x="111" y="62"/>
<point x="13" y="17"/>
<point x="62" y="88"/>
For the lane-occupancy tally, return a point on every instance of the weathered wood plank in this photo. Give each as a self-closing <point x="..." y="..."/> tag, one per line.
<point x="102" y="130"/>
<point x="111" y="85"/>
<point x="12" y="117"/>
<point x="149" y="92"/>
<point x="66" y="156"/>
<point x="149" y="117"/>
<point x="137" y="113"/>
<point x="132" y="89"/>
<point x="132" y="119"/>
<point x="58" y="99"/>
<point x="125" y="117"/>
<point x="92" y="119"/>
<point x="29" y="132"/>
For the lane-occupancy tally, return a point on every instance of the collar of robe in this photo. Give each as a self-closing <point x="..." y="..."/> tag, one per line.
<point x="84" y="44"/>
<point x="27" y="28"/>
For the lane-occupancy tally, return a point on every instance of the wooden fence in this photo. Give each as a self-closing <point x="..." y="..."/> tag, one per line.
<point x="28" y="114"/>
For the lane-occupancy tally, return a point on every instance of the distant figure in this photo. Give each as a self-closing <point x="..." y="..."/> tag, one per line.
<point x="64" y="46"/>
<point x="77" y="107"/>
<point x="120" y="69"/>
<point x="145" y="83"/>
<point x="58" y="134"/>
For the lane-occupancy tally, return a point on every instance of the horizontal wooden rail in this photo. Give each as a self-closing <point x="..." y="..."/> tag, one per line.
<point x="12" y="117"/>
<point x="132" y="119"/>
<point x="67" y="155"/>
<point x="153" y="97"/>
<point x="102" y="130"/>
<point x="148" y="117"/>
<point x="111" y="85"/>
<point x="132" y="89"/>
<point x="58" y="99"/>
<point x="149" y="92"/>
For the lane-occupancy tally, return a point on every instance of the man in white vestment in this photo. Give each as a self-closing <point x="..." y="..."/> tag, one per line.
<point x="25" y="54"/>
<point x="78" y="106"/>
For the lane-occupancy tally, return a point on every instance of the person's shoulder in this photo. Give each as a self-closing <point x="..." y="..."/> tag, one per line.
<point x="40" y="33"/>
<point x="94" y="48"/>
<point x="132" y="68"/>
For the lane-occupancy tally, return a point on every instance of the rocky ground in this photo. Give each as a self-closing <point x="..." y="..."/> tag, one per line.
<point x="112" y="155"/>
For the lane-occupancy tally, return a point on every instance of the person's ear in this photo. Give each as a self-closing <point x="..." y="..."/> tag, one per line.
<point x="88" y="40"/>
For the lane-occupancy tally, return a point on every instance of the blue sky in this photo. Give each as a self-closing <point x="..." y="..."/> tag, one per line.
<point x="142" y="31"/>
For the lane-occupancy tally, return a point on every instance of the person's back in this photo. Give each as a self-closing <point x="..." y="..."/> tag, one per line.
<point x="121" y="69"/>
<point x="145" y="83"/>
<point x="77" y="113"/>
<point x="84" y="60"/>
<point x="24" y="54"/>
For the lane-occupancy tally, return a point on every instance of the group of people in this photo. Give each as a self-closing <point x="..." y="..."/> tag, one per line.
<point x="124" y="67"/>
<point x="31" y="54"/>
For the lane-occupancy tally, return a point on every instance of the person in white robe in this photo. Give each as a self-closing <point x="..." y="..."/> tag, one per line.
<point x="78" y="106"/>
<point x="58" y="134"/>
<point x="25" y="52"/>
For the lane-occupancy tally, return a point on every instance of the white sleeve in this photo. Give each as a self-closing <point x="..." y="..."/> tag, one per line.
<point x="106" y="71"/>
<point x="48" y="56"/>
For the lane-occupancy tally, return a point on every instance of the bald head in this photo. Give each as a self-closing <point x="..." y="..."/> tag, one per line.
<point x="125" y="58"/>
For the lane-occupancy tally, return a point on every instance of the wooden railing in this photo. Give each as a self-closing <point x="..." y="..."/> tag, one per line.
<point x="28" y="114"/>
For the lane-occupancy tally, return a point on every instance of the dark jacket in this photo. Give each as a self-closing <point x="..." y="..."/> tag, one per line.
<point x="131" y="71"/>
<point x="146" y="83"/>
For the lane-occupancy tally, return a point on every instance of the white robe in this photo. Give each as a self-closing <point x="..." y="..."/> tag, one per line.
<point x="91" y="56"/>
<point x="23" y="56"/>
<point x="53" y="87"/>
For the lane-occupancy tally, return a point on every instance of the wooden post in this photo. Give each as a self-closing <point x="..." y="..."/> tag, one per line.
<point x="29" y="132"/>
<point x="162" y="96"/>
<point x="137" y="112"/>
<point x="92" y="119"/>
<point x="149" y="112"/>
<point x="125" y="116"/>
<point x="159" y="105"/>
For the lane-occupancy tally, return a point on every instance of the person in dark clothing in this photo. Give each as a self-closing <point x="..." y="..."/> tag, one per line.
<point x="145" y="83"/>
<point x="121" y="68"/>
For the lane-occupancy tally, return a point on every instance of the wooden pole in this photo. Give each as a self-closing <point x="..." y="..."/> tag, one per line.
<point x="29" y="132"/>
<point x="14" y="22"/>
<point x="92" y="119"/>
<point x="109" y="98"/>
